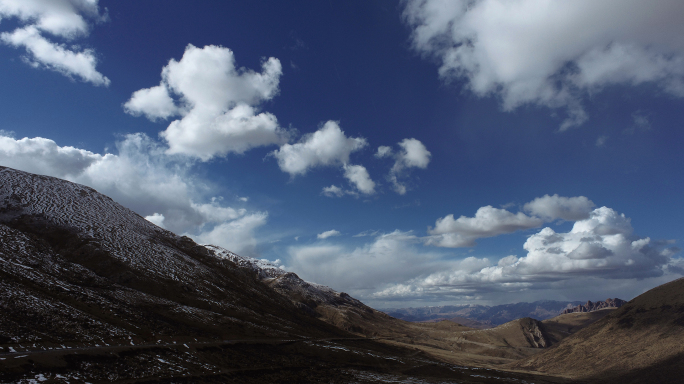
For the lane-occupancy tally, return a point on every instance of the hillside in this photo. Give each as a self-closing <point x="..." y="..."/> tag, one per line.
<point x="76" y="266"/>
<point x="641" y="342"/>
<point x="92" y="292"/>
<point x="491" y="348"/>
<point x="336" y="308"/>
<point x="564" y="325"/>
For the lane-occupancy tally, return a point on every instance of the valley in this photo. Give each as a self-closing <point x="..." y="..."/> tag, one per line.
<point x="92" y="292"/>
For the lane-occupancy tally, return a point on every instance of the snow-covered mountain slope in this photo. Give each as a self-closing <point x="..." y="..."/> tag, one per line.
<point x="76" y="266"/>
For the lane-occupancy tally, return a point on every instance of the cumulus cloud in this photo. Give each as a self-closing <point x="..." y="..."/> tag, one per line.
<point x="600" y="253"/>
<point x="65" y="19"/>
<point x="488" y="222"/>
<point x="39" y="155"/>
<point x="383" y="151"/>
<point x="389" y="258"/>
<point x="142" y="177"/>
<point x="555" y="207"/>
<point x="359" y="177"/>
<point x="327" y="234"/>
<point x="156" y="219"/>
<point x="551" y="53"/>
<point x="328" y="146"/>
<point x="237" y="235"/>
<point x="155" y="103"/>
<point x="216" y="102"/>
<point x="602" y="246"/>
<point x="413" y="154"/>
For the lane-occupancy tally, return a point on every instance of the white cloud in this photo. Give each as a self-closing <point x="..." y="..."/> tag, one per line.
<point x="329" y="233"/>
<point x="328" y="146"/>
<point x="488" y="222"/>
<point x="333" y="191"/>
<point x="159" y="187"/>
<point x="236" y="235"/>
<point x="413" y="154"/>
<point x="383" y="151"/>
<point x="155" y="103"/>
<point x="63" y="19"/>
<point x="156" y="219"/>
<point x="388" y="259"/>
<point x="555" y="207"/>
<point x="358" y="176"/>
<point x="367" y="233"/>
<point x="217" y="103"/>
<point x="551" y="52"/>
<point x="58" y="17"/>
<point x="600" y="254"/>
<point x="44" y="156"/>
<point x="601" y="246"/>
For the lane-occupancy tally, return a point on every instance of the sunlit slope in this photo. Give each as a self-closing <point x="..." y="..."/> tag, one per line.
<point x="646" y="334"/>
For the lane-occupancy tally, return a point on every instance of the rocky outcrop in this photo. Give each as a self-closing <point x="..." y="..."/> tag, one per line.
<point x="533" y="330"/>
<point x="595" y="306"/>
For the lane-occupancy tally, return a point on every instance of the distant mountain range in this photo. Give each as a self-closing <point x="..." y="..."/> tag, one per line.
<point x="484" y="315"/>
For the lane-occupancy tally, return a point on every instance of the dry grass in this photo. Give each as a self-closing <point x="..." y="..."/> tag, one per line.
<point x="646" y="332"/>
<point x="457" y="344"/>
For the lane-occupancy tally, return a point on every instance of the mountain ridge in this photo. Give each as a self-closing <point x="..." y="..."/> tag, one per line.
<point x="90" y="291"/>
<point x="590" y="306"/>
<point x="484" y="314"/>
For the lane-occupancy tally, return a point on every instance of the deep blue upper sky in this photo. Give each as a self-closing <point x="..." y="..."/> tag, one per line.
<point x="382" y="72"/>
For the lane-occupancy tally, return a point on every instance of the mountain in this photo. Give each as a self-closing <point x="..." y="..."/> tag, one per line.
<point x="483" y="314"/>
<point x="596" y="305"/>
<point x="336" y="308"/>
<point x="558" y="328"/>
<point x="76" y="266"/>
<point x="641" y="342"/>
<point x="92" y="292"/>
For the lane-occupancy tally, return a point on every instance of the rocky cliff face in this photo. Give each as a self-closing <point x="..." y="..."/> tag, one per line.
<point x="595" y="306"/>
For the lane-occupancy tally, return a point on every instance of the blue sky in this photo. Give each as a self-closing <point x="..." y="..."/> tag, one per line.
<point x="409" y="153"/>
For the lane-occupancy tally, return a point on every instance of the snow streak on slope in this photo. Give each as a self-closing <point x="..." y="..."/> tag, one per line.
<point x="119" y="231"/>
